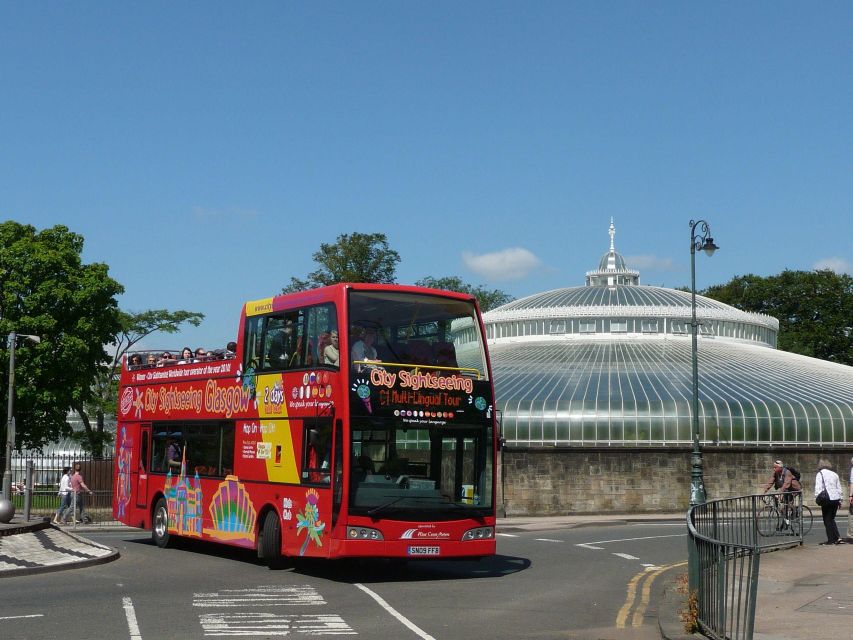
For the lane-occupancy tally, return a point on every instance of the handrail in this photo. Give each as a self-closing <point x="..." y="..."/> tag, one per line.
<point x="727" y="538"/>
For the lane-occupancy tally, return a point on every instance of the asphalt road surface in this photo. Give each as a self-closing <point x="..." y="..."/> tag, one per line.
<point x="587" y="582"/>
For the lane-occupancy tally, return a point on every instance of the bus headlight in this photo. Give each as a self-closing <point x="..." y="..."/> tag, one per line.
<point x="364" y="533"/>
<point x="480" y="533"/>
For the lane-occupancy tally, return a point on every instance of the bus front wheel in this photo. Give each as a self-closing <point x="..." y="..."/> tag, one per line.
<point x="271" y="541"/>
<point x="160" y="525"/>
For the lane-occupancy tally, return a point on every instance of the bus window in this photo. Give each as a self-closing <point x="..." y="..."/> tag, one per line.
<point x="205" y="449"/>
<point x="317" y="445"/>
<point x="321" y="324"/>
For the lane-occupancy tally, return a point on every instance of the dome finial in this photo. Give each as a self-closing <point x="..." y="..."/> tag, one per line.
<point x="612" y="234"/>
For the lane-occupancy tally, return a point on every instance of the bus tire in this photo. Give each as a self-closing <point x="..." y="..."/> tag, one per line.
<point x="160" y="525"/>
<point x="271" y="541"/>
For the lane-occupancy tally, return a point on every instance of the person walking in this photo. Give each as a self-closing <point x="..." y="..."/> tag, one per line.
<point x="827" y="479"/>
<point x="64" y="495"/>
<point x="78" y="487"/>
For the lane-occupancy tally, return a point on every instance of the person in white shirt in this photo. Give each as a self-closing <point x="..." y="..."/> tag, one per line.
<point x="64" y="494"/>
<point x="363" y="351"/>
<point x="331" y="355"/>
<point x="827" y="479"/>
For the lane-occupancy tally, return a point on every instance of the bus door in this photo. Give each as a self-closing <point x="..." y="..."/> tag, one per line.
<point x="142" y="465"/>
<point x="314" y="511"/>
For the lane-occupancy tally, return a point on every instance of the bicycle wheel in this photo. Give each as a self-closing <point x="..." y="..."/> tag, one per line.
<point x="767" y="521"/>
<point x="807" y="519"/>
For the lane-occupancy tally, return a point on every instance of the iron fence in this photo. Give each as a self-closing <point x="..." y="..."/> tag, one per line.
<point x="35" y="484"/>
<point x="729" y="536"/>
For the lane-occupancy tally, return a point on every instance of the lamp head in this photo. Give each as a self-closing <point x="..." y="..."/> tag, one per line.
<point x="709" y="247"/>
<point x="33" y="339"/>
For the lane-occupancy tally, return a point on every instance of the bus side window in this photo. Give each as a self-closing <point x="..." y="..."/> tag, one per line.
<point x="143" y="456"/>
<point x="317" y="447"/>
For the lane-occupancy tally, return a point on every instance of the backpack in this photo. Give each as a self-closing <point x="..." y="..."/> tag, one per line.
<point x="794" y="473"/>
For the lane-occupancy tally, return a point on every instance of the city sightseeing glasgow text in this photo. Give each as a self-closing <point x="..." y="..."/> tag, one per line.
<point x="416" y="381"/>
<point x="216" y="400"/>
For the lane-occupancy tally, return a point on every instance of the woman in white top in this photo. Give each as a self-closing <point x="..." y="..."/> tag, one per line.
<point x="827" y="479"/>
<point x="331" y="354"/>
<point x="64" y="494"/>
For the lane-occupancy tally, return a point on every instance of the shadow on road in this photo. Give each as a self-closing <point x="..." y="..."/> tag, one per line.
<point x="365" y="570"/>
<point x="401" y="570"/>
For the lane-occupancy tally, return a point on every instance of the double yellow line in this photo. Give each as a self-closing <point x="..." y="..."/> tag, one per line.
<point x="640" y="588"/>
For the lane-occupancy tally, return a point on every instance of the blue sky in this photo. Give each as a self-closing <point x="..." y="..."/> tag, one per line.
<point x="204" y="150"/>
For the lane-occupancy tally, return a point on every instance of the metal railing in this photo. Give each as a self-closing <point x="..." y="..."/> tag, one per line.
<point x="729" y="536"/>
<point x="35" y="486"/>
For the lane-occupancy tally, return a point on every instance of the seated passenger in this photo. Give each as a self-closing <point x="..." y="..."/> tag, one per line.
<point x="186" y="356"/>
<point x="231" y="350"/>
<point x="151" y="361"/>
<point x="166" y="359"/>
<point x="134" y="361"/>
<point x="445" y="355"/>
<point x="331" y="353"/>
<point x="200" y="355"/>
<point x="363" y="351"/>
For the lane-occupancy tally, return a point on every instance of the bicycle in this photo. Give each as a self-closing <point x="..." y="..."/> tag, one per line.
<point x="783" y="519"/>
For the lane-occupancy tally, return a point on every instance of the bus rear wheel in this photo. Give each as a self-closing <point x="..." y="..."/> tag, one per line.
<point x="160" y="525"/>
<point x="271" y="541"/>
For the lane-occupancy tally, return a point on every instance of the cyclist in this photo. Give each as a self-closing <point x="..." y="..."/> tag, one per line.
<point x="785" y="483"/>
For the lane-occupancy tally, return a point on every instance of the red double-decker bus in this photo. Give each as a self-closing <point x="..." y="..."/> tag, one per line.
<point x="354" y="420"/>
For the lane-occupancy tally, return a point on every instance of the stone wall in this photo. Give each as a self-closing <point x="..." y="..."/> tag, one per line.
<point x="570" y="481"/>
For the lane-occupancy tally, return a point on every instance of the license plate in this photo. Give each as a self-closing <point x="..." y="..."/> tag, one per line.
<point x="424" y="551"/>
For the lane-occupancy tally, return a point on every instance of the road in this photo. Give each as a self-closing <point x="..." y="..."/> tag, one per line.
<point x="586" y="582"/>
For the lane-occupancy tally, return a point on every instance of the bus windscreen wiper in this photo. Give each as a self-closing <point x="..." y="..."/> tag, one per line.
<point x="382" y="507"/>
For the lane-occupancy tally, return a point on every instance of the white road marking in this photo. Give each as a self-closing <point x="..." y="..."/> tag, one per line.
<point x="547" y="540"/>
<point x="130" y="614"/>
<point x="507" y="535"/>
<point x="587" y="544"/>
<point x="255" y="624"/>
<point x="650" y="567"/>
<point x="32" y="615"/>
<point x="264" y="596"/>
<point x="627" y="556"/>
<point x="408" y="623"/>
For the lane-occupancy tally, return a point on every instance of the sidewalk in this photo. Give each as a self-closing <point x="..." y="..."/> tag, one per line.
<point x="38" y="547"/>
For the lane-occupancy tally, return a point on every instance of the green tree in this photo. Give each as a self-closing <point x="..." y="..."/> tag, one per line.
<point x="46" y="290"/>
<point x="355" y="257"/>
<point x="133" y="327"/>
<point x="487" y="298"/>
<point x="814" y="309"/>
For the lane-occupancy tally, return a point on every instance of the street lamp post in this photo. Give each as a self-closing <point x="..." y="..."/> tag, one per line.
<point x="702" y="242"/>
<point x="10" y="423"/>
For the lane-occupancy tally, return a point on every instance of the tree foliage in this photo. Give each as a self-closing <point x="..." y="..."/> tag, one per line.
<point x="49" y="292"/>
<point x="354" y="257"/>
<point x="133" y="327"/>
<point x="487" y="298"/>
<point x="814" y="309"/>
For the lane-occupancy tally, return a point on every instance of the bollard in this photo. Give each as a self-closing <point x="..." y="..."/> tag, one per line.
<point x="28" y="491"/>
<point x="7" y="510"/>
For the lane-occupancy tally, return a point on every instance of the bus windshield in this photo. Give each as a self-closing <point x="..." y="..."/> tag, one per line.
<point x="439" y="472"/>
<point x="394" y="330"/>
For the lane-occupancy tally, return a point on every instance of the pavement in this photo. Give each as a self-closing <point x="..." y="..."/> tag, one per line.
<point x="37" y="546"/>
<point x="802" y="591"/>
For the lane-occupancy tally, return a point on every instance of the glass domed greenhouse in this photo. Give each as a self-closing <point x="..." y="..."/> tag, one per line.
<point x="609" y="364"/>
